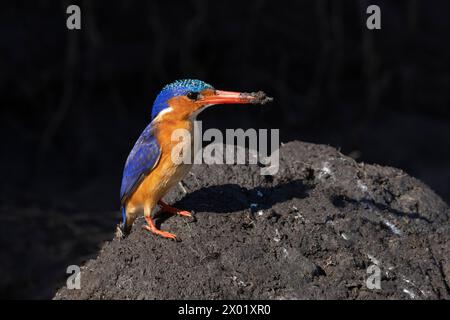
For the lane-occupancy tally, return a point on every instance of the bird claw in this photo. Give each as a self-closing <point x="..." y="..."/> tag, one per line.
<point x="164" y="234"/>
<point x="184" y="213"/>
<point x="166" y="208"/>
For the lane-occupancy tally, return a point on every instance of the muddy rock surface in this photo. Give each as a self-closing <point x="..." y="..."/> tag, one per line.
<point x="310" y="232"/>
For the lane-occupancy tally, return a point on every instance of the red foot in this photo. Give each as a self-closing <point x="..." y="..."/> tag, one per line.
<point x="166" y="208"/>
<point x="152" y="228"/>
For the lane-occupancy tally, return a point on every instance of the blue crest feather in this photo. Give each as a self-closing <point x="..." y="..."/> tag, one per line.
<point x="177" y="88"/>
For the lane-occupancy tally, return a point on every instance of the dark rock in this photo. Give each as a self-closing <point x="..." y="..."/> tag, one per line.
<point x="316" y="228"/>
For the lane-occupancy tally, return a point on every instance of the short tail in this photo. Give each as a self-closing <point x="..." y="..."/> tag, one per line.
<point x="124" y="215"/>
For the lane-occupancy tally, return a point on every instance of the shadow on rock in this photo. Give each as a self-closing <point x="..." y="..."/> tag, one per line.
<point x="229" y="198"/>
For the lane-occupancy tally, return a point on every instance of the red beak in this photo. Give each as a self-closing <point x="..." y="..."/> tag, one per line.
<point x="227" y="97"/>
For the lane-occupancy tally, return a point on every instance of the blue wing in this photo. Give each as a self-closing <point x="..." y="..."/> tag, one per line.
<point x="142" y="159"/>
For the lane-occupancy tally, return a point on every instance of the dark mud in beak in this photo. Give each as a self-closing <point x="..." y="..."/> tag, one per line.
<point x="259" y="97"/>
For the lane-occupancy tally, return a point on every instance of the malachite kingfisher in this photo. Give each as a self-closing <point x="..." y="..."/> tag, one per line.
<point x="149" y="171"/>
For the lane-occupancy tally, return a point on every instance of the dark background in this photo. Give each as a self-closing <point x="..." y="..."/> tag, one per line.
<point x="74" y="102"/>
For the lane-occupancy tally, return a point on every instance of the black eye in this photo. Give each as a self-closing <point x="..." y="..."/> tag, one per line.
<point x="193" y="95"/>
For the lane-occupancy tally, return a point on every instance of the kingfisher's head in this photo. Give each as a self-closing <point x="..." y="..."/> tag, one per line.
<point x="185" y="99"/>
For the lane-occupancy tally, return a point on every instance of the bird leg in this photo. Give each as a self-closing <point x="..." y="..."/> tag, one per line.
<point x="166" y="208"/>
<point x="152" y="227"/>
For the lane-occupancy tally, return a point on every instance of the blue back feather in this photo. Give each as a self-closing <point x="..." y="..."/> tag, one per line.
<point x="141" y="160"/>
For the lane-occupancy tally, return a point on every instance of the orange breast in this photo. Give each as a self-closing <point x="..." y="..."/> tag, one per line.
<point x="166" y="173"/>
